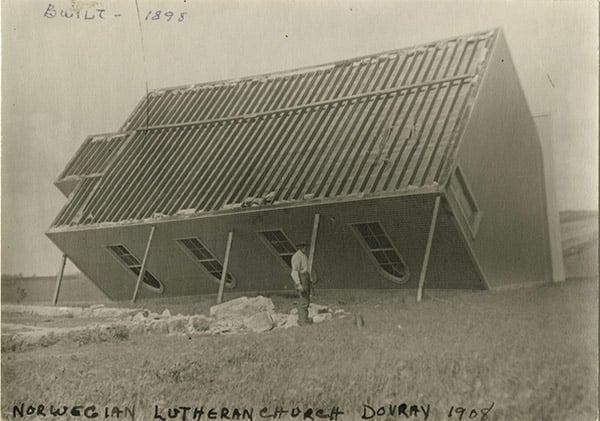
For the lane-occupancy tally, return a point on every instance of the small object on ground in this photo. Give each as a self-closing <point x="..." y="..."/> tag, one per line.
<point x="359" y="320"/>
<point x="139" y="317"/>
<point x="260" y="322"/>
<point x="308" y="321"/>
<point x="321" y="317"/>
<point x="399" y="326"/>
<point x="242" y="307"/>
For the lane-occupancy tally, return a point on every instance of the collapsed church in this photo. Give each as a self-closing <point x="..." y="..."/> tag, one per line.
<point x="421" y="164"/>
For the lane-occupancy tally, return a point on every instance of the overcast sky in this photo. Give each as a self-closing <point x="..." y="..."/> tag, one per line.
<point x="63" y="79"/>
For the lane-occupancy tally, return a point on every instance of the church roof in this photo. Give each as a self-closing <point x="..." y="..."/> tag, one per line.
<point x="372" y="126"/>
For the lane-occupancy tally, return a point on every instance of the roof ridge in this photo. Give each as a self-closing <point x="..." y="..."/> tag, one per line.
<point x="389" y="91"/>
<point x="321" y="66"/>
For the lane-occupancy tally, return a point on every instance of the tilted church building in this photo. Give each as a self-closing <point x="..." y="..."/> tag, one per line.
<point x="418" y="164"/>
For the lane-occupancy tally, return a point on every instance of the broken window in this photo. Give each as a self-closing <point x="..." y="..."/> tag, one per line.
<point x="466" y="201"/>
<point x="128" y="259"/>
<point x="208" y="260"/>
<point x="280" y="244"/>
<point x="374" y="238"/>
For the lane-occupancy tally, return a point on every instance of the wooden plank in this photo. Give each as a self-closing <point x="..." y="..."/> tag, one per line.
<point x="362" y="155"/>
<point x="195" y="174"/>
<point x="270" y="160"/>
<point x="431" y="144"/>
<point x="134" y="190"/>
<point x="299" y="107"/>
<point x="175" y="110"/>
<point x="325" y="119"/>
<point x="333" y="75"/>
<point x="290" y="94"/>
<point x="379" y="147"/>
<point x="59" y="278"/>
<point x="193" y="101"/>
<point x="229" y="93"/>
<point x="252" y="87"/>
<point x="295" y="140"/>
<point x="326" y="140"/>
<point x="436" y="208"/>
<point x="313" y="242"/>
<point x="427" y="125"/>
<point x="144" y="262"/>
<point x="371" y="183"/>
<point x="225" y="265"/>
<point x="340" y="137"/>
<point x="203" y="107"/>
<point x="117" y="194"/>
<point x="153" y="173"/>
<point x="165" y="107"/>
<point x="306" y="142"/>
<point x="164" y="187"/>
<point x="271" y="142"/>
<point x="421" y="118"/>
<point x="407" y="131"/>
<point x="450" y="113"/>
<point x="118" y="168"/>
<point x="254" y="161"/>
<point x="223" y="149"/>
<point x="234" y="167"/>
<point x="284" y="155"/>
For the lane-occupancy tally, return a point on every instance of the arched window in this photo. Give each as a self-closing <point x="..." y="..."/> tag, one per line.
<point x="207" y="259"/>
<point x="280" y="244"/>
<point x="373" y="237"/>
<point x="131" y="262"/>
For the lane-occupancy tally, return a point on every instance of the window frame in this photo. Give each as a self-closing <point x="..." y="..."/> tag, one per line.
<point x="398" y="280"/>
<point x="130" y="269"/>
<point x="273" y="250"/>
<point x="199" y="262"/>
<point x="458" y="177"/>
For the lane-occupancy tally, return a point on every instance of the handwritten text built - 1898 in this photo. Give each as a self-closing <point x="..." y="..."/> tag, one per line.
<point x="100" y="14"/>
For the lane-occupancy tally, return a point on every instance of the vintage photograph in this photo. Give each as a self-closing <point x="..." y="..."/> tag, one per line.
<point x="299" y="210"/>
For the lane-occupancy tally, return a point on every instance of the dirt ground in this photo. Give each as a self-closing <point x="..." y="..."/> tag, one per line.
<point x="529" y="354"/>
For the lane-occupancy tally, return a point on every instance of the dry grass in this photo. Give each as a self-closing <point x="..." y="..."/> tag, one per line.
<point x="532" y="352"/>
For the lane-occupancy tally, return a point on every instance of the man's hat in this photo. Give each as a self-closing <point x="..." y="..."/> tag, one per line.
<point x="302" y="244"/>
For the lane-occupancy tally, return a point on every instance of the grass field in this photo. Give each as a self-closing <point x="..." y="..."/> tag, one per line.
<point x="530" y="352"/>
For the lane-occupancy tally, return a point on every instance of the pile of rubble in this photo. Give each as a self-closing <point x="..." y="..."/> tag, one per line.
<point x="239" y="315"/>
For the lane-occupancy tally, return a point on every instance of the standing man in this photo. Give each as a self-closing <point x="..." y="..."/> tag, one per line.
<point x="301" y="277"/>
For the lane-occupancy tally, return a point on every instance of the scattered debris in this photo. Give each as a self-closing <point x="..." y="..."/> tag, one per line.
<point x="252" y="202"/>
<point x="256" y="314"/>
<point x="270" y="198"/>
<point x="260" y="322"/>
<point x="186" y="212"/>
<point x="242" y="307"/>
<point x="229" y="206"/>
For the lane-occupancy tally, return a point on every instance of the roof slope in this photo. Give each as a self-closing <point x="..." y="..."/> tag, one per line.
<point x="380" y="124"/>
